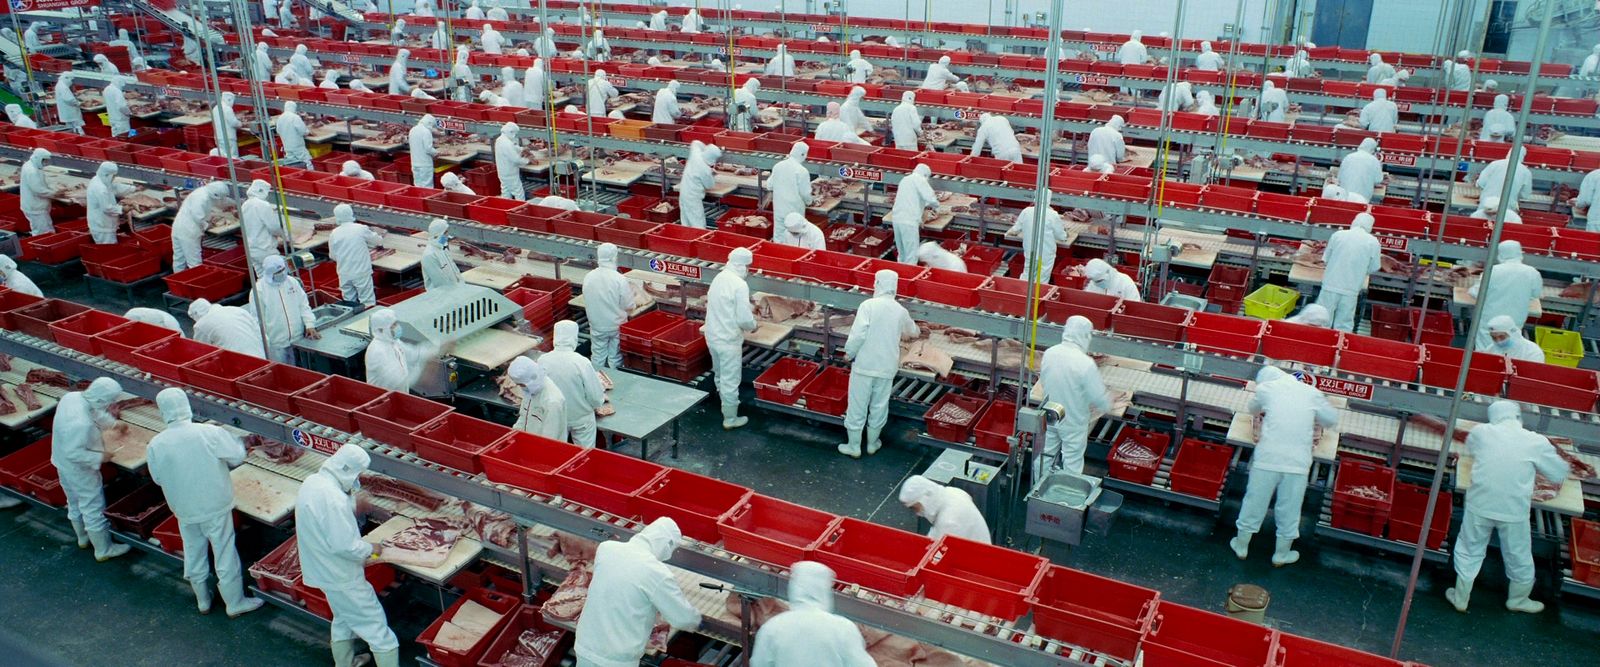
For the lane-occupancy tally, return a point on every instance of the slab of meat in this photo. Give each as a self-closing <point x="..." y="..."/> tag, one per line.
<point x="50" y="377"/>
<point x="920" y="356"/>
<point x="533" y="647"/>
<point x="140" y="204"/>
<point x="116" y="409"/>
<point x="6" y="406"/>
<point x="493" y="527"/>
<point x="273" y="450"/>
<point x="285" y="566"/>
<point x="567" y="602"/>
<point x="426" y="543"/>
<point x="760" y="611"/>
<point x="469" y="625"/>
<point x="25" y="393"/>
<point x="394" y="489"/>
<point x="573" y="548"/>
<point x="5" y="362"/>
<point x="1437" y="425"/>
<point x="772" y="308"/>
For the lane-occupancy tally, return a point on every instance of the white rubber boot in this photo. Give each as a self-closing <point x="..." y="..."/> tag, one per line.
<point x="104" y="548"/>
<point x="1241" y="544"/>
<point x="873" y="442"/>
<point x="1461" y="594"/>
<point x="344" y="653"/>
<point x="1283" y="555"/>
<point x="730" y="417"/>
<point x="1518" y="599"/>
<point x="83" y="534"/>
<point x="852" y="446"/>
<point x="247" y="605"/>
<point x="202" y="596"/>
<point x="389" y="658"/>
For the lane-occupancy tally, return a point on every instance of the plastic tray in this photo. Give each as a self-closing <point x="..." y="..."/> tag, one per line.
<point x="1585" y="551"/>
<point x="1442" y="364"/>
<point x="1066" y="302"/>
<point x="606" y="481"/>
<point x="458" y="441"/>
<point x="1380" y="358"/>
<point x="876" y="557"/>
<point x="503" y="603"/>
<point x="379" y="575"/>
<point x="394" y="418"/>
<point x="333" y="400"/>
<point x="119" y="343"/>
<point x="952" y="288"/>
<point x="14" y="467"/>
<point x="786" y="368"/>
<point x="1132" y="469"/>
<point x="1192" y="637"/>
<point x="12" y="300"/>
<point x="1225" y="334"/>
<point x="981" y="577"/>
<point x="949" y="431"/>
<point x="638" y="334"/>
<point x="1100" y="614"/>
<point x="1556" y="386"/>
<point x="272" y="386"/>
<point x="1201" y="468"/>
<point x="528" y="461"/>
<point x="1288" y="341"/>
<point x="34" y="319"/>
<point x="680" y="342"/>
<point x="997" y="423"/>
<point x="525" y="617"/>
<point x="1150" y="320"/>
<point x="165" y="358"/>
<point x="1355" y="512"/>
<point x="773" y="531"/>
<point x="1296" y="651"/>
<point x="210" y="282"/>
<point x="1270" y="302"/>
<point x="1410" y="501"/>
<point x="272" y="583"/>
<point x="695" y="502"/>
<point x="78" y="331"/>
<point x="219" y="373"/>
<point x="825" y="391"/>
<point x="140" y="511"/>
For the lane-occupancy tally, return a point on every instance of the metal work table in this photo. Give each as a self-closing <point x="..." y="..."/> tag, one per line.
<point x="644" y="406"/>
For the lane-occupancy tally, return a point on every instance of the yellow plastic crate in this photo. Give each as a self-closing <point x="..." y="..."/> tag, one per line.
<point x="1271" y="302"/>
<point x="318" y="150"/>
<point x="1561" y="347"/>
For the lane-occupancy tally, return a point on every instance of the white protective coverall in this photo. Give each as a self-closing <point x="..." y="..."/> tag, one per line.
<point x="1380" y="115"/>
<point x="932" y="254"/>
<point x="1299" y="67"/>
<point x="939" y="76"/>
<point x="850" y="112"/>
<point x="1106" y="141"/>
<point x="534" y="85"/>
<point x="1314" y="315"/>
<point x="911" y="197"/>
<point x="15" y="280"/>
<point x="631" y="586"/>
<point x="781" y="64"/>
<point x="744" y="106"/>
<point x="1498" y="123"/>
<point x="438" y="269"/>
<point x="1133" y="52"/>
<point x="1460" y="76"/>
<point x="1379" y="70"/>
<point x="1489" y="207"/>
<point x="261" y="61"/>
<point x="262" y="226"/>
<point x="809" y="633"/>
<point x="280" y="304"/>
<point x="225" y="126"/>
<point x="77" y="450"/>
<point x="1104" y="279"/>
<point x="508" y="162"/>
<point x="35" y="191"/>
<point x="905" y="122"/>
<point x="833" y="129"/>
<point x="191" y="462"/>
<point x="543" y="410"/>
<point x="1588" y="196"/>
<point x="353" y="169"/>
<point x="1360" y="172"/>
<point x="330" y="80"/>
<point x="392" y="363"/>
<point x="545" y="47"/>
<point x="160" y="318"/>
<point x="1208" y="60"/>
<point x="461" y="75"/>
<point x="190" y="224"/>
<point x="607" y="299"/>
<point x="1291" y="411"/>
<point x="1055" y="233"/>
<point x="1273" y="103"/>
<point x="860" y="69"/>
<point x="1350" y="257"/>
<point x="422" y="151"/>
<point x="333" y="557"/>
<point x="473" y="12"/>
<point x="1505" y="456"/>
<point x="68" y="109"/>
<point x="450" y="182"/>
<point x="1508" y="341"/>
<point x="949" y="510"/>
<point x="1492" y="180"/>
<point x="117" y="110"/>
<point x="873" y="350"/>
<point x="798" y="231"/>
<point x="491" y="40"/>
<point x="106" y="66"/>
<point x="1180" y="99"/>
<point x="578" y="381"/>
<point x="600" y="92"/>
<point x="728" y="316"/>
<point x="698" y="177"/>
<point x="398" y="85"/>
<point x="1512" y="289"/>
<point x="1591" y="64"/>
<point x="1070" y="378"/>
<point x="598" y="49"/>
<point x="666" y="109"/>
<point x="292" y="131"/>
<point x="228" y="327"/>
<point x="350" y="245"/>
<point x="791" y="185"/>
<point x="511" y="88"/>
<point x="995" y="132"/>
<point x="1099" y="165"/>
<point x="692" y="23"/>
<point x="658" y="21"/>
<point x="301" y="62"/>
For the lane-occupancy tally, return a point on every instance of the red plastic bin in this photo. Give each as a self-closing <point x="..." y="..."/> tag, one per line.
<point x="1201" y="468"/>
<point x="1100" y="614"/>
<point x="695" y="502"/>
<point x="1297" y="651"/>
<point x="1225" y="334"/>
<point x="35" y="319"/>
<point x="500" y="603"/>
<point x="273" y="386"/>
<point x="394" y="418"/>
<point x="997" y="423"/>
<point x="953" y="288"/>
<point x="774" y="531"/>
<point x="379" y="575"/>
<point x="165" y="358"/>
<point x="1410" y="502"/>
<point x="638" y="334"/>
<point x="606" y="480"/>
<point x="1380" y="358"/>
<point x="219" y="373"/>
<point x="140" y="511"/>
<point x="78" y="331"/>
<point x="1189" y="637"/>
<point x="333" y="401"/>
<point x="1355" y="512"/>
<point x="1150" y="320"/>
<point x="950" y="430"/>
<point x="12" y="300"/>
<point x="1585" y="551"/>
<point x="787" y="368"/>
<point x="1556" y="386"/>
<point x="210" y="282"/>
<point x="825" y="391"/>
<point x="981" y="577"/>
<point x="265" y="571"/>
<point x="876" y="557"/>
<point x="1067" y="302"/>
<point x="1288" y="341"/>
<point x="526" y="617"/>
<point x="1441" y="365"/>
<point x="528" y="461"/>
<point x="1126" y="460"/>
<point x="120" y="343"/>
<point x="458" y="441"/>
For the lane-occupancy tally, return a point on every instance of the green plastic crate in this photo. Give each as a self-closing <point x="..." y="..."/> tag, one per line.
<point x="1561" y="347"/>
<point x="1271" y="302"/>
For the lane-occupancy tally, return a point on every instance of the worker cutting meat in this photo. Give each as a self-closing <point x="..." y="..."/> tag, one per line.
<point x="1070" y="378"/>
<point x="544" y="409"/>
<point x="1492" y="180"/>
<point x="578" y="381"/>
<point x="191" y="462"/>
<point x="632" y="585"/>
<point x="228" y="327"/>
<point x="698" y="178"/>
<point x="350" y="246"/>
<point x="666" y="109"/>
<point x="834" y="129"/>
<point x="745" y="105"/>
<point x="798" y="231"/>
<point x="292" y="132"/>
<point x="995" y="132"/>
<point x="535" y="85"/>
<point x="860" y="70"/>
<point x="1133" y="51"/>
<point x="1498" y="123"/>
<point x="600" y="93"/>
<point x="873" y="350"/>
<point x="905" y="122"/>
<point x="791" y="185"/>
<point x="781" y="64"/>
<point x="1038" y="247"/>
<point x="939" y="76"/>
<point x="398" y="85"/>
<point x="77" y="450"/>
<point x="949" y="510"/>
<point x="225" y="126"/>
<point x="35" y="191"/>
<point x="101" y="209"/>
<point x="280" y="304"/>
<point x="1351" y="256"/>
<point x="809" y="633"/>
<point x="69" y="110"/>
<point x="1381" y="114"/>
<point x="728" y="316"/>
<point x="912" y="196"/>
<point x="1208" y="60"/>
<point x="420" y="138"/>
<point x="439" y="271"/>
<point x="1292" y="414"/>
<point x="1379" y="70"/>
<point x="191" y="222"/>
<point x="1513" y="286"/>
<point x="850" y="112"/>
<point x="1106" y="279"/>
<point x="1360" y="172"/>
<point x="1106" y="141"/>
<point x="261" y="224"/>
<point x="492" y="41"/>
<point x="451" y="182"/>
<point x="18" y="118"/>
<point x="508" y="162"/>
<point x="117" y="110"/>
<point x="392" y="363"/>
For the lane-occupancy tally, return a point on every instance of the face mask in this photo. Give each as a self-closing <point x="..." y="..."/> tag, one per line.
<point x="1503" y="343"/>
<point x="278" y="278"/>
<point x="355" y="486"/>
<point x="444" y="241"/>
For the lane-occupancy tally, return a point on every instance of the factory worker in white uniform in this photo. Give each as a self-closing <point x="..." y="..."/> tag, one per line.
<point x="631" y="586"/>
<point x="1508" y="341"/>
<point x="30" y="37"/>
<point x="473" y="12"/>
<point x="658" y="21"/>
<point x="228" y="327"/>
<point x="190" y="224"/>
<point x="1291" y="412"/>
<point x="545" y="47"/>
<point x="1350" y="257"/>
<point x="280" y="304"/>
<point x="1299" y="66"/>
<point x="1493" y="180"/>
<point x="68" y="109"/>
<point x="333" y="558"/>
<point x="1512" y="289"/>
<point x="397" y="74"/>
<point x="15" y="280"/>
<point x="420" y="138"/>
<point x="1588" y="195"/>
<point x="803" y="233"/>
<point x="153" y="316"/>
<point x="728" y="317"/>
<point x="78" y="450"/>
<point x="1098" y="164"/>
<point x="534" y="85"/>
<point x="666" y="109"/>
<point x="1055" y="233"/>
<point x="392" y="363"/>
<point x="261" y="223"/>
<point x="353" y="169"/>
<point x="1208" y="60"/>
<point x="511" y="88"/>
<point x="1489" y="207"/>
<point x="1360" y="172"/>
<point x="1505" y="456"/>
<point x="35" y="191"/>
<point x="451" y="182"/>
<point x="600" y="92"/>
<point x="261" y="61"/>
<point x="850" y="112"/>
<point x="809" y="633"/>
<point x="781" y="64"/>
<point x="302" y="62"/>
<point x="292" y="131"/>
<point x="833" y="129"/>
<point x="1180" y="99"/>
<point x="873" y="350"/>
<point x="995" y="132"/>
<point x="598" y="48"/>
<point x="860" y="69"/>
<point x="106" y="66"/>
<point x="19" y="119"/>
<point x="905" y="122"/>
<point x="350" y="246"/>
<point x="543" y="410"/>
<point x="607" y="299"/>
<point x="491" y="40"/>
<point x="497" y="14"/>
<point x="1106" y="141"/>
<point x="744" y="106"/>
<point x="931" y="254"/>
<point x="1313" y="315"/>
<point x="791" y="185"/>
<point x="1459" y="76"/>
<point x="191" y="462"/>
<point x="950" y="510"/>
<point x="1133" y="52"/>
<point x="1070" y="378"/>
<point x="911" y="197"/>
<point x="1104" y="279"/>
<point x="1273" y="103"/>
<point x="939" y="76"/>
<point x="698" y="177"/>
<point x="578" y="381"/>
<point x="1380" y="115"/>
<point x="508" y="162"/>
<point x="225" y="126"/>
<point x="1498" y="123"/>
<point x="462" y="76"/>
<point x="438" y="269"/>
<point x="1379" y="70"/>
<point x="330" y="80"/>
<point x="692" y="22"/>
<point x="117" y="110"/>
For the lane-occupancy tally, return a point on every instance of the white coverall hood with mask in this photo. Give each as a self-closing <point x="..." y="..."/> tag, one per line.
<point x="600" y="92"/>
<point x="658" y="21"/>
<point x="1360" y="172"/>
<point x="1133" y="52"/>
<point x="744" y="106"/>
<point x="191" y="462"/>
<point x="949" y="510"/>
<point x="1380" y="115"/>
<point x="995" y="132"/>
<point x="152" y="316"/>
<point x="931" y="254"/>
<point x="1492" y="180"/>
<point x="1588" y="196"/>
<point x="77" y="450"/>
<point x="834" y="129"/>
<point x="912" y="196"/>
<point x="280" y="304"/>
<point x="1104" y="279"/>
<point x="461" y="75"/>
<point x="511" y="88"/>
<point x="543" y="411"/>
<point x="798" y="231"/>
<point x="850" y="112"/>
<point x="330" y="80"/>
<point x="791" y="185"/>
<point x="728" y="317"/>
<point x="106" y="66"/>
<point x="809" y="633"/>
<point x="692" y="23"/>
<point x="420" y="138"/>
<point x="1350" y="257"/>
<point x="632" y="585"/>
<point x="438" y="269"/>
<point x="1379" y="70"/>
<point x="292" y="131"/>
<point x="1508" y="341"/>
<point x="939" y="76"/>
<point x="698" y="178"/>
<point x="190" y="223"/>
<point x="1291" y="414"/>
<point x="1512" y="289"/>
<point x="905" y="122"/>
<point x="508" y="162"/>
<point x="608" y="298"/>
<point x="392" y="363"/>
<point x="1489" y="207"/>
<point x="860" y="69"/>
<point x="35" y="191"/>
<point x="1498" y="123"/>
<point x="228" y="327"/>
<point x="1106" y="141"/>
<point x="117" y="110"/>
<point x="1070" y="378"/>
<point x="1591" y="64"/>
<point x="578" y="381"/>
<point x="398" y="85"/>
<point x="473" y="12"/>
<point x="333" y="557"/>
<point x="1458" y="75"/>
<point x="1181" y="99"/>
<point x="261" y="224"/>
<point x="1208" y="60"/>
<point x="1273" y="103"/>
<point x="781" y="64"/>
<point x="15" y="280"/>
<point x="1313" y="315"/>
<point x="666" y="109"/>
<point x="301" y="62"/>
<point x="534" y="84"/>
<point x="450" y="182"/>
<point x="1505" y="458"/>
<point x="350" y="246"/>
<point x="491" y="40"/>
<point x="873" y="350"/>
<point x="225" y="126"/>
<point x="261" y="62"/>
<point x="1299" y="67"/>
<point x="68" y="109"/>
<point x="1055" y="233"/>
<point x="353" y="169"/>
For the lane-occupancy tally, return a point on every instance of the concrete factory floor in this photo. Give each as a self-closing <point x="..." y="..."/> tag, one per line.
<point x="61" y="608"/>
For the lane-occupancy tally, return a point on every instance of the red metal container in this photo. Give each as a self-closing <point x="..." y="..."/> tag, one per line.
<point x="1100" y="614"/>
<point x="1201" y="468"/>
<point x="332" y="401"/>
<point x="876" y="557"/>
<point x="393" y="418"/>
<point x="458" y="441"/>
<point x="981" y="577"/>
<point x="218" y="373"/>
<point x="501" y="603"/>
<point x="774" y="531"/>
<point x="695" y="502"/>
<point x="606" y="481"/>
<point x="528" y="461"/>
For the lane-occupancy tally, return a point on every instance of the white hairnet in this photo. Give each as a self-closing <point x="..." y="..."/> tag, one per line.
<point x="606" y="255"/>
<point x="1363" y="222"/>
<point x="102" y="392"/>
<point x="740" y="257"/>
<point x="916" y="488"/>
<point x="885" y="282"/>
<point x="1269" y="374"/>
<point x="438" y="227"/>
<point x="382" y="324"/>
<point x="1097" y="269"/>
<point x="7" y="265"/>
<point x="258" y="189"/>
<point x="799" y="150"/>
<point x="526" y="372"/>
<point x="347" y="464"/>
<point x="794" y="222"/>
<point x="1078" y="331"/>
<point x="660" y="538"/>
<point x="174" y="404"/>
<point x="811" y="586"/>
<point x="1116" y="122"/>
<point x="1510" y="251"/>
<point x="565" y="335"/>
<point x="1504" y="411"/>
<point x="1502" y="324"/>
<point x="273" y="266"/>
<point x="344" y="214"/>
<point x="1368" y="145"/>
<point x="922" y="170"/>
<point x="198" y="309"/>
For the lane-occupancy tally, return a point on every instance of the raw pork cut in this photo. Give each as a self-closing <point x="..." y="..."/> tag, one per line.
<point x="567" y="602"/>
<point x="394" y="489"/>
<point x="426" y="543"/>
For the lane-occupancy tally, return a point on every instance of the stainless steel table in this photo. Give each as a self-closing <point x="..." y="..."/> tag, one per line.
<point x="645" y="406"/>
